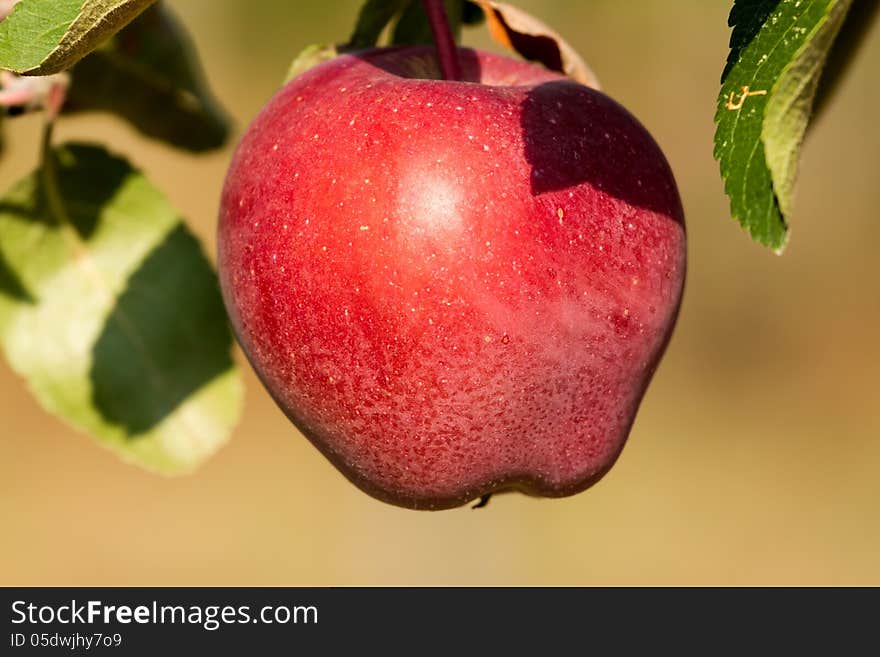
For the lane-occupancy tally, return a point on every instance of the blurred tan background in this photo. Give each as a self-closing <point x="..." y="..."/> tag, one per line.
<point x="755" y="458"/>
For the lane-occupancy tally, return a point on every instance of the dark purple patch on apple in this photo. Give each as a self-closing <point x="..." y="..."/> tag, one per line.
<point x="564" y="150"/>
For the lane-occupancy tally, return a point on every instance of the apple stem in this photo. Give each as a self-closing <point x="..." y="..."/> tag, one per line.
<point x="443" y="39"/>
<point x="484" y="500"/>
<point x="49" y="177"/>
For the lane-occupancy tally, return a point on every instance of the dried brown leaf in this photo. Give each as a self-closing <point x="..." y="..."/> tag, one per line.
<point x="534" y="40"/>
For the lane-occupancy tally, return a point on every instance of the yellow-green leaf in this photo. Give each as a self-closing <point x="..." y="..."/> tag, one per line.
<point x="311" y="56"/>
<point x="111" y="312"/>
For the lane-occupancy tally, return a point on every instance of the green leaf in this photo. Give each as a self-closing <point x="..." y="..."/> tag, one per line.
<point x="374" y="17"/>
<point x="111" y="312"/>
<point x="41" y="37"/>
<point x="413" y="27"/>
<point x="311" y="56"/>
<point x="778" y="50"/>
<point x="149" y="74"/>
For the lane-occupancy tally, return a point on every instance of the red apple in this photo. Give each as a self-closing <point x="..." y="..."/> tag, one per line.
<point x="452" y="288"/>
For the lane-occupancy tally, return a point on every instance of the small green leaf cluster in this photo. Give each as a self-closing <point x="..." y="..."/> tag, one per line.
<point x="404" y="20"/>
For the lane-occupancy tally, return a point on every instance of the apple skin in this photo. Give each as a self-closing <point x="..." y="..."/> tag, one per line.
<point x="452" y="288"/>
